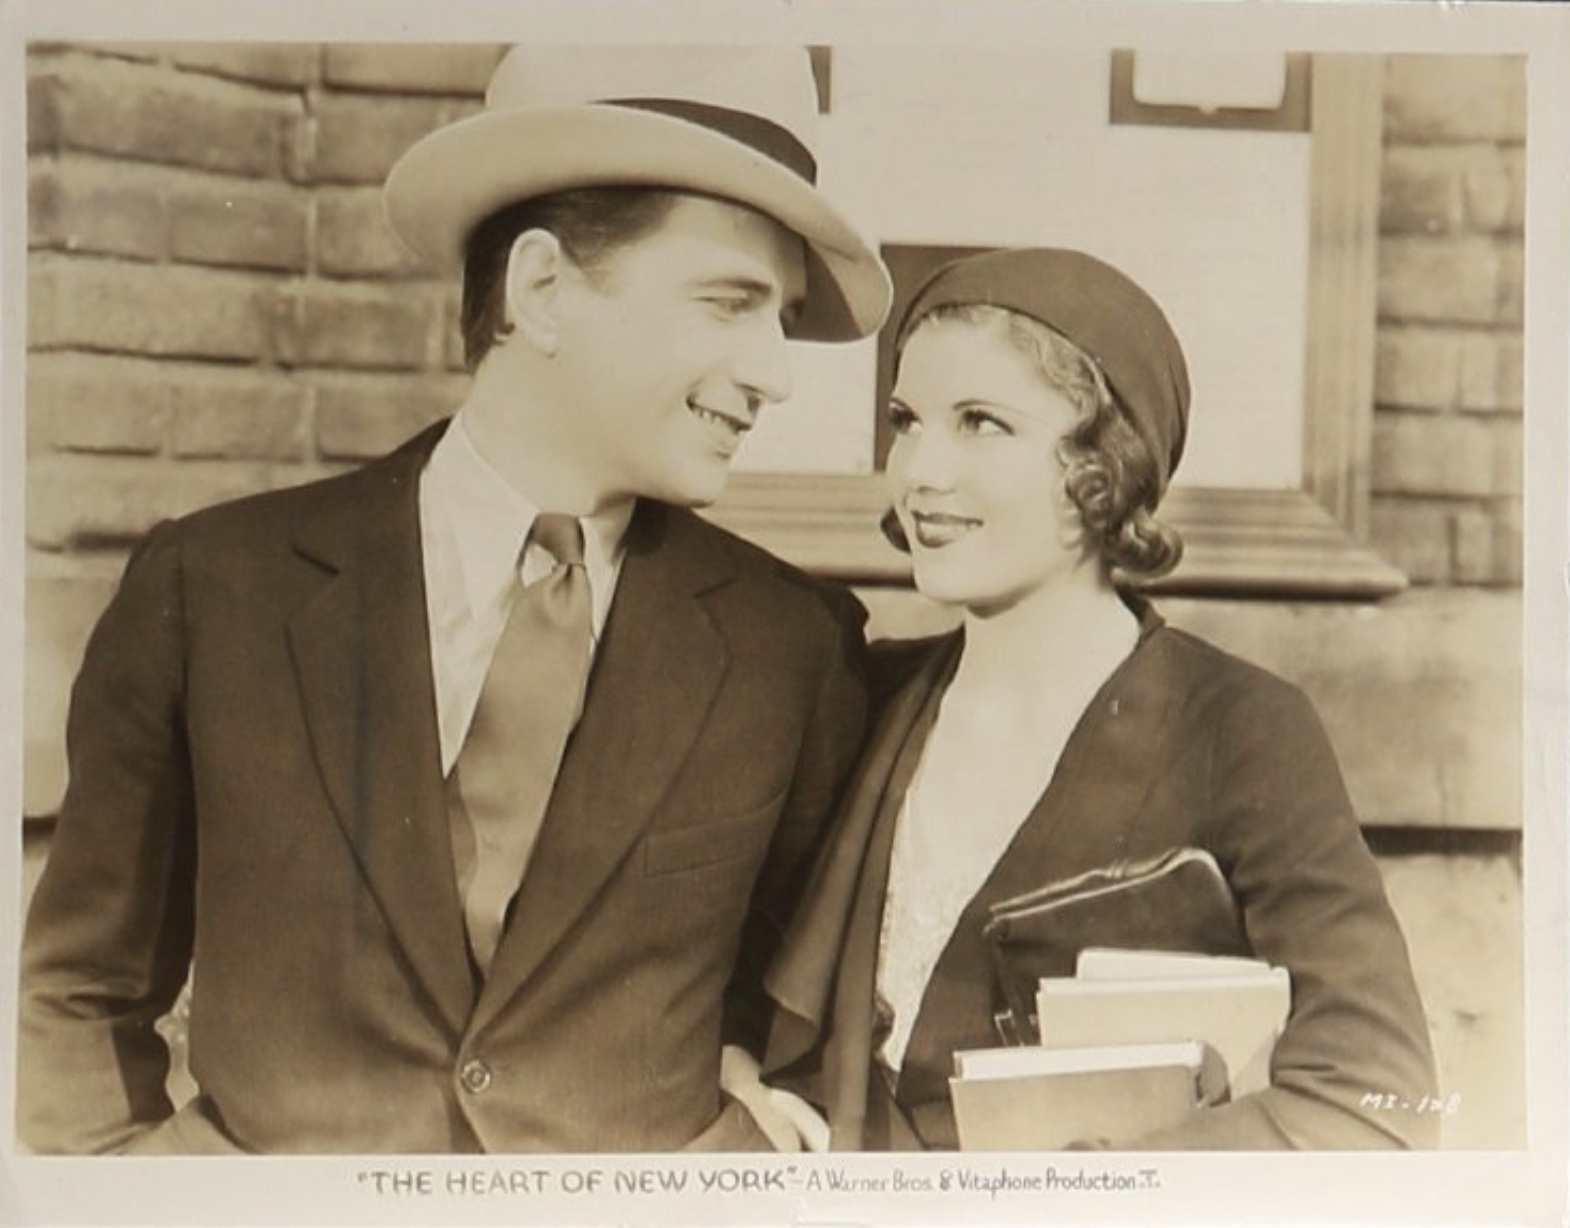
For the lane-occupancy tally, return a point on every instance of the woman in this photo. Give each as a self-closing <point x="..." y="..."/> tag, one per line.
<point x="1039" y="410"/>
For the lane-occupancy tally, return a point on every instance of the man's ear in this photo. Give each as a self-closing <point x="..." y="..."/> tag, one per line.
<point x="536" y="265"/>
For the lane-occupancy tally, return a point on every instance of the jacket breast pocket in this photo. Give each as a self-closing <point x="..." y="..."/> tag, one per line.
<point x="734" y="839"/>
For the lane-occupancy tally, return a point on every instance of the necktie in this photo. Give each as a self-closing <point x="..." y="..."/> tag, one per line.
<point x="527" y="708"/>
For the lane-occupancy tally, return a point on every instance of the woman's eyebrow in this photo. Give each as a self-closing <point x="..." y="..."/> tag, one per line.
<point x="986" y="406"/>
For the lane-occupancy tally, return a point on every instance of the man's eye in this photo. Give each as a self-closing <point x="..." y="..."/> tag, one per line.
<point x="729" y="304"/>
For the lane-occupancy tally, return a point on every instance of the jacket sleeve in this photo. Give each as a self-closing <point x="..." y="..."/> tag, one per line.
<point x="109" y="932"/>
<point x="1353" y="1069"/>
<point x="828" y="752"/>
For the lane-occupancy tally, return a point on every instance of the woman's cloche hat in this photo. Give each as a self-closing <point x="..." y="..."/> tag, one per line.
<point x="1100" y="309"/>
<point x="734" y="123"/>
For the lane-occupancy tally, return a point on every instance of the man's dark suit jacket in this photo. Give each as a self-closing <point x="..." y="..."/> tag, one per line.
<point x="255" y="781"/>
<point x="1184" y="746"/>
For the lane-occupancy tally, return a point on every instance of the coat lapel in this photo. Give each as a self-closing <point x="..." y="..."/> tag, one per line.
<point x="1083" y="819"/>
<point x="362" y="656"/>
<point x="1107" y="769"/>
<point x="656" y="674"/>
<point x="827" y="962"/>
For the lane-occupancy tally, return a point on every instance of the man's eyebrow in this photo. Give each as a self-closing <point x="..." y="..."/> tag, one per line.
<point x="756" y="290"/>
<point x="753" y="287"/>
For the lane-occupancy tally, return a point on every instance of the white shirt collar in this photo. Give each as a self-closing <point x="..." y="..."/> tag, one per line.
<point x="491" y="519"/>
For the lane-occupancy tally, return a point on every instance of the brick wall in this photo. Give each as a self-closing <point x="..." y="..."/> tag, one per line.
<point x="1447" y="437"/>
<point x="215" y="305"/>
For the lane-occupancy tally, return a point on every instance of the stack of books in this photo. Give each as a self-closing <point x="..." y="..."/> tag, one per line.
<point x="1135" y="1041"/>
<point x="1131" y="1000"/>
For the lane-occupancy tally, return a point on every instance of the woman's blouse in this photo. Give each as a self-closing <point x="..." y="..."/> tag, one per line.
<point x="936" y="867"/>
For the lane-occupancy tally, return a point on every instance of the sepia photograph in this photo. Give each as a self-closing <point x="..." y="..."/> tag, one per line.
<point x="785" y="613"/>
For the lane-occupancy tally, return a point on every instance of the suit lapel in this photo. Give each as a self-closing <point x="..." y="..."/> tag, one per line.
<point x="362" y="656"/>
<point x="657" y="671"/>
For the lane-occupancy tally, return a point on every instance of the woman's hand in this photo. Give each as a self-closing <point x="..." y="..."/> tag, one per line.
<point x="790" y="1123"/>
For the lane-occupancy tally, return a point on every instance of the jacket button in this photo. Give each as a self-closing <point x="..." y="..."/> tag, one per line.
<point x="475" y="1076"/>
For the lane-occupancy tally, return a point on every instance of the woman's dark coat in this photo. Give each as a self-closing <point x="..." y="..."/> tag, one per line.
<point x="1183" y="746"/>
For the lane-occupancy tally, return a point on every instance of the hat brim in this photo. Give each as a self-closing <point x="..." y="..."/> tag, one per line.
<point x="453" y="179"/>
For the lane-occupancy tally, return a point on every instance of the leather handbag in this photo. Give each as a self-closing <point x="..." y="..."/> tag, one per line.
<point x="1176" y="901"/>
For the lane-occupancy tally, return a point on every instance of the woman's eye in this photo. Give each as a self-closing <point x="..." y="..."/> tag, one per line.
<point x="901" y="420"/>
<point x="980" y="422"/>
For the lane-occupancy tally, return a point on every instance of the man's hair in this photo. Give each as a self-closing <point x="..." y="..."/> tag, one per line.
<point x="591" y="224"/>
<point x="1110" y="473"/>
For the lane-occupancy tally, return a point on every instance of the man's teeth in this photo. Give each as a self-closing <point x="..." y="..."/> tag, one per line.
<point x="731" y="424"/>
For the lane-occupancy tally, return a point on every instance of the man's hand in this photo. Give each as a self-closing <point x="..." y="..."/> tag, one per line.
<point x="790" y="1123"/>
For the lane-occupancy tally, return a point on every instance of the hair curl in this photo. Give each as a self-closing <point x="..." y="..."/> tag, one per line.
<point x="591" y="224"/>
<point x="1110" y="473"/>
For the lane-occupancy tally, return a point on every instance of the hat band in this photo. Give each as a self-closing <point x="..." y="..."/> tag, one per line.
<point x="774" y="142"/>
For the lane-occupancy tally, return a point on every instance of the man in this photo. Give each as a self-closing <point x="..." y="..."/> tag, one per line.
<point x="441" y="883"/>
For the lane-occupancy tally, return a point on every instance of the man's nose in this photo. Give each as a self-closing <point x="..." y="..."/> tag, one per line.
<point x="763" y="365"/>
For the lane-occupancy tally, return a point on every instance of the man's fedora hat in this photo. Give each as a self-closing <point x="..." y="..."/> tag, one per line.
<point x="734" y="123"/>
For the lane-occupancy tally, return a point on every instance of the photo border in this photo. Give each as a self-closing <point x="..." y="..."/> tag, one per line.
<point x="1519" y="1187"/>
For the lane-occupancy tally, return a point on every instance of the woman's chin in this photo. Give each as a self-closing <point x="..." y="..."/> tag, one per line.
<point x="965" y="595"/>
<point x="940" y="584"/>
<point x="948" y="587"/>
